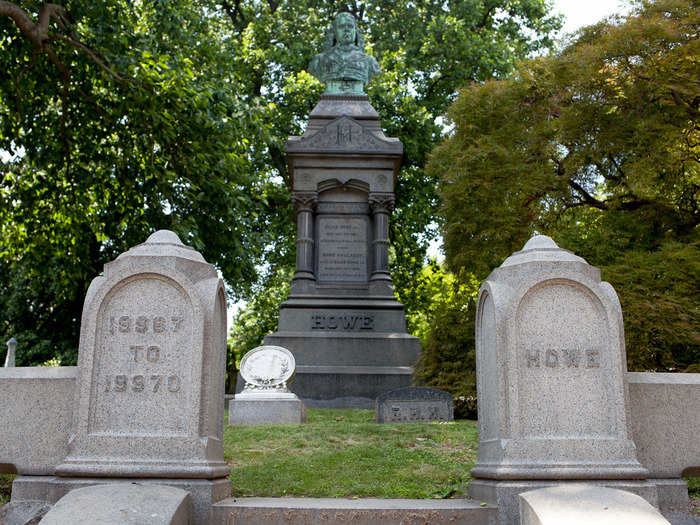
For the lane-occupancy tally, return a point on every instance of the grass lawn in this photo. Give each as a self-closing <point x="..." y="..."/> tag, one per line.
<point x="343" y="453"/>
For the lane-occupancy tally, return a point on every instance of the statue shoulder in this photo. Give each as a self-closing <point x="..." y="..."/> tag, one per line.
<point x="373" y="65"/>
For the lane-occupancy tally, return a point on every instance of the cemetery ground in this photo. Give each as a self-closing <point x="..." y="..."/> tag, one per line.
<point x="344" y="453"/>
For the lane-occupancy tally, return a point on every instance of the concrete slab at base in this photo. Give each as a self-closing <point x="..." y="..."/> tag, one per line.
<point x="23" y="512"/>
<point x="504" y="494"/>
<point x="204" y="493"/>
<point x="122" y="503"/>
<point x="581" y="504"/>
<point x="304" y="511"/>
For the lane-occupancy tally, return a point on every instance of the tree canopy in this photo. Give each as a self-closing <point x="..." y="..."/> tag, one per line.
<point x="118" y="118"/>
<point x="598" y="147"/>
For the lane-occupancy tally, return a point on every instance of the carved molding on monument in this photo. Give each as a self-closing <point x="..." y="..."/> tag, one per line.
<point x="345" y="134"/>
<point x="382" y="202"/>
<point x="304" y="201"/>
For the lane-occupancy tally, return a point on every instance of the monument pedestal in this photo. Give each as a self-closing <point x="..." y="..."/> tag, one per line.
<point x="342" y="321"/>
<point x="348" y="351"/>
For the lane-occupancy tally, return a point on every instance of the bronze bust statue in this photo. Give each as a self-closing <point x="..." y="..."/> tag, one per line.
<point x="343" y="65"/>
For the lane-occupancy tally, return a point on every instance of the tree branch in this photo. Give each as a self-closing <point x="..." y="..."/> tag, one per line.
<point x="95" y="58"/>
<point x="38" y="35"/>
<point x="279" y="160"/>
<point x="587" y="197"/>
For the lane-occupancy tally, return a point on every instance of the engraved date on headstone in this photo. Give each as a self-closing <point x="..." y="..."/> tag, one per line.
<point x="140" y="383"/>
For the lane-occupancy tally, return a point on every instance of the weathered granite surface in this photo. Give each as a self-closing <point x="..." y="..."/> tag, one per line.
<point x="307" y="511"/>
<point x="36" y="414"/>
<point x="551" y="372"/>
<point x="47" y="490"/>
<point x="413" y="404"/>
<point x="576" y="504"/>
<point x="122" y="503"/>
<point x="665" y="420"/>
<point x="149" y="396"/>
<point x="504" y="493"/>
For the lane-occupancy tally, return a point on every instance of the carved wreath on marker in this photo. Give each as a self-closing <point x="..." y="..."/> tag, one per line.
<point x="266" y="382"/>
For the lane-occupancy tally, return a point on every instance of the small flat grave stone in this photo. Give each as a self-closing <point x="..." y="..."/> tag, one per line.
<point x="414" y="404"/>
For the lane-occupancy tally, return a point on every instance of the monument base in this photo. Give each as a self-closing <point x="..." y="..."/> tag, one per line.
<point x="347" y="350"/>
<point x="266" y="409"/>
<point x="504" y="494"/>
<point x="49" y="489"/>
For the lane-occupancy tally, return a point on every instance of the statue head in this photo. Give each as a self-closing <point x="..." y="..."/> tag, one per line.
<point x="343" y="65"/>
<point x="343" y="31"/>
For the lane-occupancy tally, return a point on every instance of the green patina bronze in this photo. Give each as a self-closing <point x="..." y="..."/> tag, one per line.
<point x="343" y="66"/>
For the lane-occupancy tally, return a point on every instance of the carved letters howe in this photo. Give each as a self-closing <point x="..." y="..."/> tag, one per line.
<point x="342" y="322"/>
<point x="563" y="358"/>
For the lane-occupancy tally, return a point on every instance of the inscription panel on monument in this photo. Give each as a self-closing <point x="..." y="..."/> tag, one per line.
<point x="142" y="366"/>
<point x="342" y="249"/>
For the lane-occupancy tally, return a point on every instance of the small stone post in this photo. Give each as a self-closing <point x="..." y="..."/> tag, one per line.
<point x="11" y="349"/>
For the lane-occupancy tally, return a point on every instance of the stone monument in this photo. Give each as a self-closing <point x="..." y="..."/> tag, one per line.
<point x="265" y="399"/>
<point x="550" y="380"/>
<point x="342" y="321"/>
<point x="150" y="386"/>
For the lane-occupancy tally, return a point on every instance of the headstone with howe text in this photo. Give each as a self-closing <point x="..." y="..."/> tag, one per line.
<point x="551" y="380"/>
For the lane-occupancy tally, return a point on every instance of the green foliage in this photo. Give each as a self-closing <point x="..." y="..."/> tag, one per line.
<point x="596" y="146"/>
<point x="184" y="128"/>
<point x="259" y="318"/>
<point x="344" y="453"/>
<point x="427" y="50"/>
<point x="6" y="487"/>
<point x="447" y="358"/>
<point x="99" y="162"/>
<point x="659" y="295"/>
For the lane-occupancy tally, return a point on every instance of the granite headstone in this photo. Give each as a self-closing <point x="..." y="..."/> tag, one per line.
<point x="414" y="404"/>
<point x="151" y="367"/>
<point x="550" y="379"/>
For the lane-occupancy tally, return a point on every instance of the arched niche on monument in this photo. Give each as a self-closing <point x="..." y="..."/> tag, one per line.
<point x="344" y="233"/>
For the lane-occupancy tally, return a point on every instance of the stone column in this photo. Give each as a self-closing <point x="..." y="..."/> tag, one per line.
<point x="304" y="204"/>
<point x="381" y="205"/>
